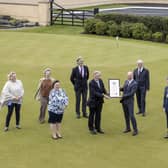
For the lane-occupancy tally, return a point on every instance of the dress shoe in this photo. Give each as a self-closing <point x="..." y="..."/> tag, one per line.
<point x="85" y="116"/>
<point x="143" y="115"/>
<point x="93" y="132"/>
<point x="127" y="130"/>
<point x="139" y="113"/>
<point x="101" y="132"/>
<point x="135" y="133"/>
<point x="78" y="116"/>
<point x="166" y="137"/>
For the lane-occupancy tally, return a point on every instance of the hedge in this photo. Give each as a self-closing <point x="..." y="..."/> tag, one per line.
<point x="153" y="23"/>
<point x="129" y="26"/>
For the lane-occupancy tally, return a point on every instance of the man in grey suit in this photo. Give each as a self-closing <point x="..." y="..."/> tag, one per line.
<point x="127" y="100"/>
<point x="141" y="76"/>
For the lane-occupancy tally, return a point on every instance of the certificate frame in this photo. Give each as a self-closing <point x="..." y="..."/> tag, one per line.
<point x="114" y="88"/>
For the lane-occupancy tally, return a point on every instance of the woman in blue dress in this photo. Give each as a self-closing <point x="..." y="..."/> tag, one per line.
<point x="58" y="101"/>
<point x="165" y="105"/>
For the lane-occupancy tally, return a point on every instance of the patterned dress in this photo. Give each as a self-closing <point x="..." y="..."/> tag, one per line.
<point x="58" y="100"/>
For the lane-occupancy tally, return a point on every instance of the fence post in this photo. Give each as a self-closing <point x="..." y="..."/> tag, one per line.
<point x="62" y="16"/>
<point x="51" y="12"/>
<point x="72" y="18"/>
<point x="83" y="18"/>
<point x="96" y="11"/>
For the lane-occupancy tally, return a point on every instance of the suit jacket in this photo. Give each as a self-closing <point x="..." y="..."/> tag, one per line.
<point x="165" y="99"/>
<point x="143" y="78"/>
<point x="96" y="93"/>
<point x="128" y="92"/>
<point x="77" y="80"/>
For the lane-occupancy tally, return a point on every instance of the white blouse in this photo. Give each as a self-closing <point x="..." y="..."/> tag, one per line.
<point x="11" y="90"/>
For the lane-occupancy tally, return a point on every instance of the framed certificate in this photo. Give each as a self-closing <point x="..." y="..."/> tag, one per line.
<point x="114" y="88"/>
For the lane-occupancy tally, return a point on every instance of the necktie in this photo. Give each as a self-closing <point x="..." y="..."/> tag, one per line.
<point x="139" y="71"/>
<point x="98" y="83"/>
<point x="82" y="72"/>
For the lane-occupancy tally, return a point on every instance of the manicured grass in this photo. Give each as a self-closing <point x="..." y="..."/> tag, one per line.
<point x="32" y="147"/>
<point x="55" y="29"/>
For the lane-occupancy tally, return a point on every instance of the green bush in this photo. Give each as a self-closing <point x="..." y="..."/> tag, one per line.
<point x="147" y="36"/>
<point x="113" y="30"/>
<point x="90" y="26"/>
<point x="129" y="26"/>
<point x="138" y="30"/>
<point x="126" y="29"/>
<point x="101" y="28"/>
<point x="157" y="37"/>
<point x="153" y="23"/>
<point x="166" y="40"/>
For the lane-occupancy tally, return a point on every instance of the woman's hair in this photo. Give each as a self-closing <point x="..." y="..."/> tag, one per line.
<point x="11" y="74"/>
<point x="56" y="81"/>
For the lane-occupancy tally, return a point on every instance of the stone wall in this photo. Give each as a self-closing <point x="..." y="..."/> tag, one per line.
<point x="35" y="12"/>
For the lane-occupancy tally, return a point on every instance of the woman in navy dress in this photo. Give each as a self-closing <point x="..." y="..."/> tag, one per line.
<point x="165" y="105"/>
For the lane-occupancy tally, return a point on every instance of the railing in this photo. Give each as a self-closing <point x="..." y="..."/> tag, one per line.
<point x="72" y="17"/>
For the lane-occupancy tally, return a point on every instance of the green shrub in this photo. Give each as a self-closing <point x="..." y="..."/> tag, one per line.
<point x="126" y="29"/>
<point x="101" y="28"/>
<point x="113" y="30"/>
<point x="157" y="37"/>
<point x="90" y="26"/>
<point x="111" y="22"/>
<point x="147" y="36"/>
<point x="138" y="30"/>
<point x="166" y="40"/>
<point x="153" y="23"/>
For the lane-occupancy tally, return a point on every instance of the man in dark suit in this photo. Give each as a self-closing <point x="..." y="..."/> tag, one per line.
<point x="97" y="92"/>
<point x="127" y="100"/>
<point x="79" y="78"/>
<point x="141" y="76"/>
<point x="165" y="105"/>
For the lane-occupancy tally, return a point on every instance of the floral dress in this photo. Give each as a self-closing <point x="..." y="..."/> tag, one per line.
<point x="58" y="100"/>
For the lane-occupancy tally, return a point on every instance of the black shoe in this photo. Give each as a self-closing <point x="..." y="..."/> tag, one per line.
<point x="135" y="133"/>
<point x="143" y="115"/>
<point x="166" y="137"/>
<point x="139" y="113"/>
<point x="93" y="132"/>
<point x="85" y="116"/>
<point x="78" y="116"/>
<point x="127" y="130"/>
<point x="100" y="131"/>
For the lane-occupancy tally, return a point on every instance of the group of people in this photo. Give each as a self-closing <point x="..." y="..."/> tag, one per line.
<point x="51" y="95"/>
<point x="138" y="83"/>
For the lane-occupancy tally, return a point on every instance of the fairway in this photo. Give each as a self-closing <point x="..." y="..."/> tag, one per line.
<point x="32" y="147"/>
